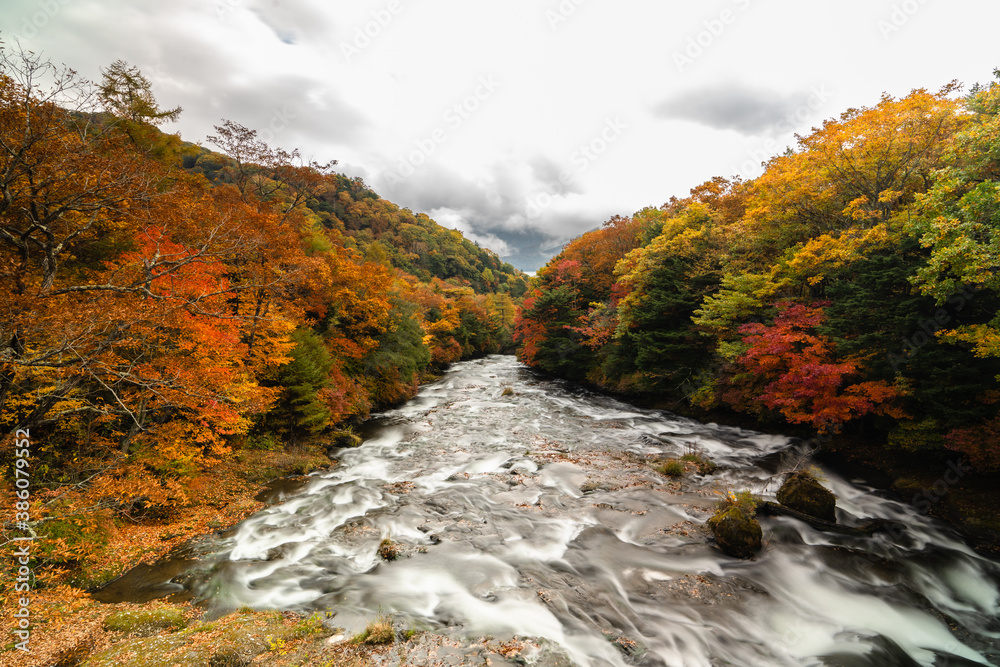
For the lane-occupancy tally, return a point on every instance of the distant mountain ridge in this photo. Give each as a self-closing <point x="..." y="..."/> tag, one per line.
<point x="375" y="227"/>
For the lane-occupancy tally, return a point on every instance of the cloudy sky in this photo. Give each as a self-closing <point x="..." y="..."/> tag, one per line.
<point x="522" y="123"/>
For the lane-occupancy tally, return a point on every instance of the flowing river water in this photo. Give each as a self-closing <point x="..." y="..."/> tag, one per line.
<point x="529" y="508"/>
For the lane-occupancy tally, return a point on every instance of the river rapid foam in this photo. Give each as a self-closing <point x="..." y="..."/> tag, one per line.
<point x="529" y="508"/>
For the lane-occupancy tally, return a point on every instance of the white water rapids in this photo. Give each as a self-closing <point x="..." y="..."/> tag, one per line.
<point x="536" y="513"/>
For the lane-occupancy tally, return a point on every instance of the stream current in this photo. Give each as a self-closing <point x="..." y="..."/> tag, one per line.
<point x="526" y="507"/>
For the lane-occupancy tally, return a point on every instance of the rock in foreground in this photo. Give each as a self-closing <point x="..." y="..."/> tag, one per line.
<point x="736" y="532"/>
<point x="802" y="492"/>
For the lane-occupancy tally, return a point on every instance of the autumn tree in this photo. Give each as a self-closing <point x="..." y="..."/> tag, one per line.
<point x="121" y="307"/>
<point x="127" y="95"/>
<point x="547" y="323"/>
<point x="790" y="368"/>
<point x="957" y="221"/>
<point x="877" y="315"/>
<point x="267" y="173"/>
<point x="852" y="284"/>
<point x="661" y="284"/>
<point x="393" y="369"/>
<point x="305" y="381"/>
<point x="599" y="251"/>
<point x="854" y="171"/>
<point x="66" y="191"/>
<point x="156" y="317"/>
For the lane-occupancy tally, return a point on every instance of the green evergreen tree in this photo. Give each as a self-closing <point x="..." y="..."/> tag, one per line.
<point x="300" y="409"/>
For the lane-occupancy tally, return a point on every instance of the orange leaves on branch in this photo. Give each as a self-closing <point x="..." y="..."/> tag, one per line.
<point x="345" y="396"/>
<point x="562" y="272"/>
<point x="596" y="253"/>
<point x="359" y="294"/>
<point x="135" y="282"/>
<point x="853" y="171"/>
<point x="598" y="326"/>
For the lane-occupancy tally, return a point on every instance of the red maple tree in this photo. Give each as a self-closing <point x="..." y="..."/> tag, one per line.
<point x="796" y="372"/>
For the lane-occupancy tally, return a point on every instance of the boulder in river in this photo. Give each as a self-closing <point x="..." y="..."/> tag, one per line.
<point x="801" y="491"/>
<point x="736" y="531"/>
<point x="343" y="440"/>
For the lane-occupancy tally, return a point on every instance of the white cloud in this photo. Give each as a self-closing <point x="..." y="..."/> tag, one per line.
<point x="278" y="65"/>
<point x="452" y="219"/>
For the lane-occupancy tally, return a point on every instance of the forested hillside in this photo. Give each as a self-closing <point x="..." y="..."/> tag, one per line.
<point x="166" y="308"/>
<point x="853" y="287"/>
<point x="364" y="221"/>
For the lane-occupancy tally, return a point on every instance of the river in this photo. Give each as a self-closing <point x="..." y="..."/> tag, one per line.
<point x="528" y="507"/>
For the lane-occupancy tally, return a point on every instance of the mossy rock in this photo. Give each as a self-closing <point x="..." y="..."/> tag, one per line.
<point x="145" y="622"/>
<point x="344" y="440"/>
<point x="737" y="533"/>
<point x="172" y="650"/>
<point x="802" y="492"/>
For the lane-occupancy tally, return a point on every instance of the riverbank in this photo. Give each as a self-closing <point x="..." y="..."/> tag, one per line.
<point x="158" y="634"/>
<point x="65" y="620"/>
<point x="937" y="483"/>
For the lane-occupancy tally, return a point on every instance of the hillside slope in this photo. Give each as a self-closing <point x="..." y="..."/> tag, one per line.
<point x="162" y="321"/>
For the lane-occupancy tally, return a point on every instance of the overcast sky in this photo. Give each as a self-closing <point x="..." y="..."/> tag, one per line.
<point x="522" y="123"/>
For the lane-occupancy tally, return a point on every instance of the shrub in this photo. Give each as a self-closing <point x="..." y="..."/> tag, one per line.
<point x="379" y="631"/>
<point x="388" y="550"/>
<point x="705" y="466"/>
<point x="745" y="501"/>
<point x="672" y="468"/>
